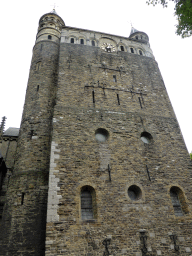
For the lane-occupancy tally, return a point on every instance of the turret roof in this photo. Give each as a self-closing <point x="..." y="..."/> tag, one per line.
<point x="53" y="11"/>
<point x="133" y="30"/>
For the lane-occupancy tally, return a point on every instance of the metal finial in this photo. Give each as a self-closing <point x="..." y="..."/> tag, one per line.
<point x="130" y="22"/>
<point x="54" y="6"/>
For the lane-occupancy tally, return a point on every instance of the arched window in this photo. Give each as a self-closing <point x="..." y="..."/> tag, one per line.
<point x="93" y="43"/>
<point x="132" y="50"/>
<point x="88" y="203"/>
<point x="140" y="52"/>
<point x="72" y="40"/>
<point x="178" y="201"/>
<point x="81" y="41"/>
<point x="122" y="48"/>
<point x="49" y="37"/>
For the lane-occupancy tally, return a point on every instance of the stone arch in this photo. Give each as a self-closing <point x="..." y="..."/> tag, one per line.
<point x="132" y="49"/>
<point x="178" y="201"/>
<point x="140" y="51"/>
<point x="74" y="37"/>
<point x="120" y="47"/>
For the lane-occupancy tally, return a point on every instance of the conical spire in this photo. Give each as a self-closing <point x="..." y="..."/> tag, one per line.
<point x="133" y="30"/>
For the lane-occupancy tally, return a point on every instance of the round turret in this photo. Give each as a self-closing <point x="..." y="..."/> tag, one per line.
<point x="50" y="26"/>
<point x="139" y="36"/>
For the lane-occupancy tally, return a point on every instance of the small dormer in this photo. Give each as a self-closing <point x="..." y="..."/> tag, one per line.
<point x="139" y="36"/>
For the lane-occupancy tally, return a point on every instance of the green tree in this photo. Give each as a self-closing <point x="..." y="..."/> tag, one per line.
<point x="183" y="12"/>
<point x="190" y="155"/>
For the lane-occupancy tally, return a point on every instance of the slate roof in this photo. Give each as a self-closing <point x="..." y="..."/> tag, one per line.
<point x="133" y="30"/>
<point x="12" y="131"/>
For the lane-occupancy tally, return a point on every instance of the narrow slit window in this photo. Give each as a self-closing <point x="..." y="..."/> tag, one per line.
<point x="72" y="40"/>
<point x="118" y="100"/>
<point x="22" y="198"/>
<point x="93" y="96"/>
<point x="37" y="88"/>
<point x="41" y="47"/>
<point x="136" y="37"/>
<point x="81" y="41"/>
<point x="114" y="78"/>
<point x="122" y="48"/>
<point x="49" y="37"/>
<point x="132" y="50"/>
<point x="93" y="43"/>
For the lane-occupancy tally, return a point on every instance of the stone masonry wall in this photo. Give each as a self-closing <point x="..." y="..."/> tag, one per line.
<point x="83" y="161"/>
<point x="24" y="216"/>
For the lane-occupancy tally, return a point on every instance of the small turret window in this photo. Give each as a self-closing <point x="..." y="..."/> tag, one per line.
<point x="140" y="52"/>
<point x="81" y="41"/>
<point x="132" y="50"/>
<point x="122" y="48"/>
<point x="93" y="43"/>
<point x="136" y="37"/>
<point x="72" y="40"/>
<point x="49" y="37"/>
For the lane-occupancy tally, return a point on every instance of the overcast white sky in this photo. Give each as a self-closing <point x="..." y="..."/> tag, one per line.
<point x="19" y="22"/>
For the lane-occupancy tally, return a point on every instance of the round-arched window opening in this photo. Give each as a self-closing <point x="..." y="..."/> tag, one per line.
<point x="146" y="137"/>
<point x="101" y="135"/>
<point x="134" y="193"/>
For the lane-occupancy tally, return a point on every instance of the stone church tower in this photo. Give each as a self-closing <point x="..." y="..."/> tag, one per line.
<point x="101" y="167"/>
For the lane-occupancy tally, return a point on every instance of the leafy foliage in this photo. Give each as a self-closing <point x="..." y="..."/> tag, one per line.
<point x="190" y="155"/>
<point x="183" y="11"/>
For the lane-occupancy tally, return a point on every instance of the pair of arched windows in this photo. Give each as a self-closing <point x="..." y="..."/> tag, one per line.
<point x="88" y="203"/>
<point x="132" y="51"/>
<point x="72" y="41"/>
